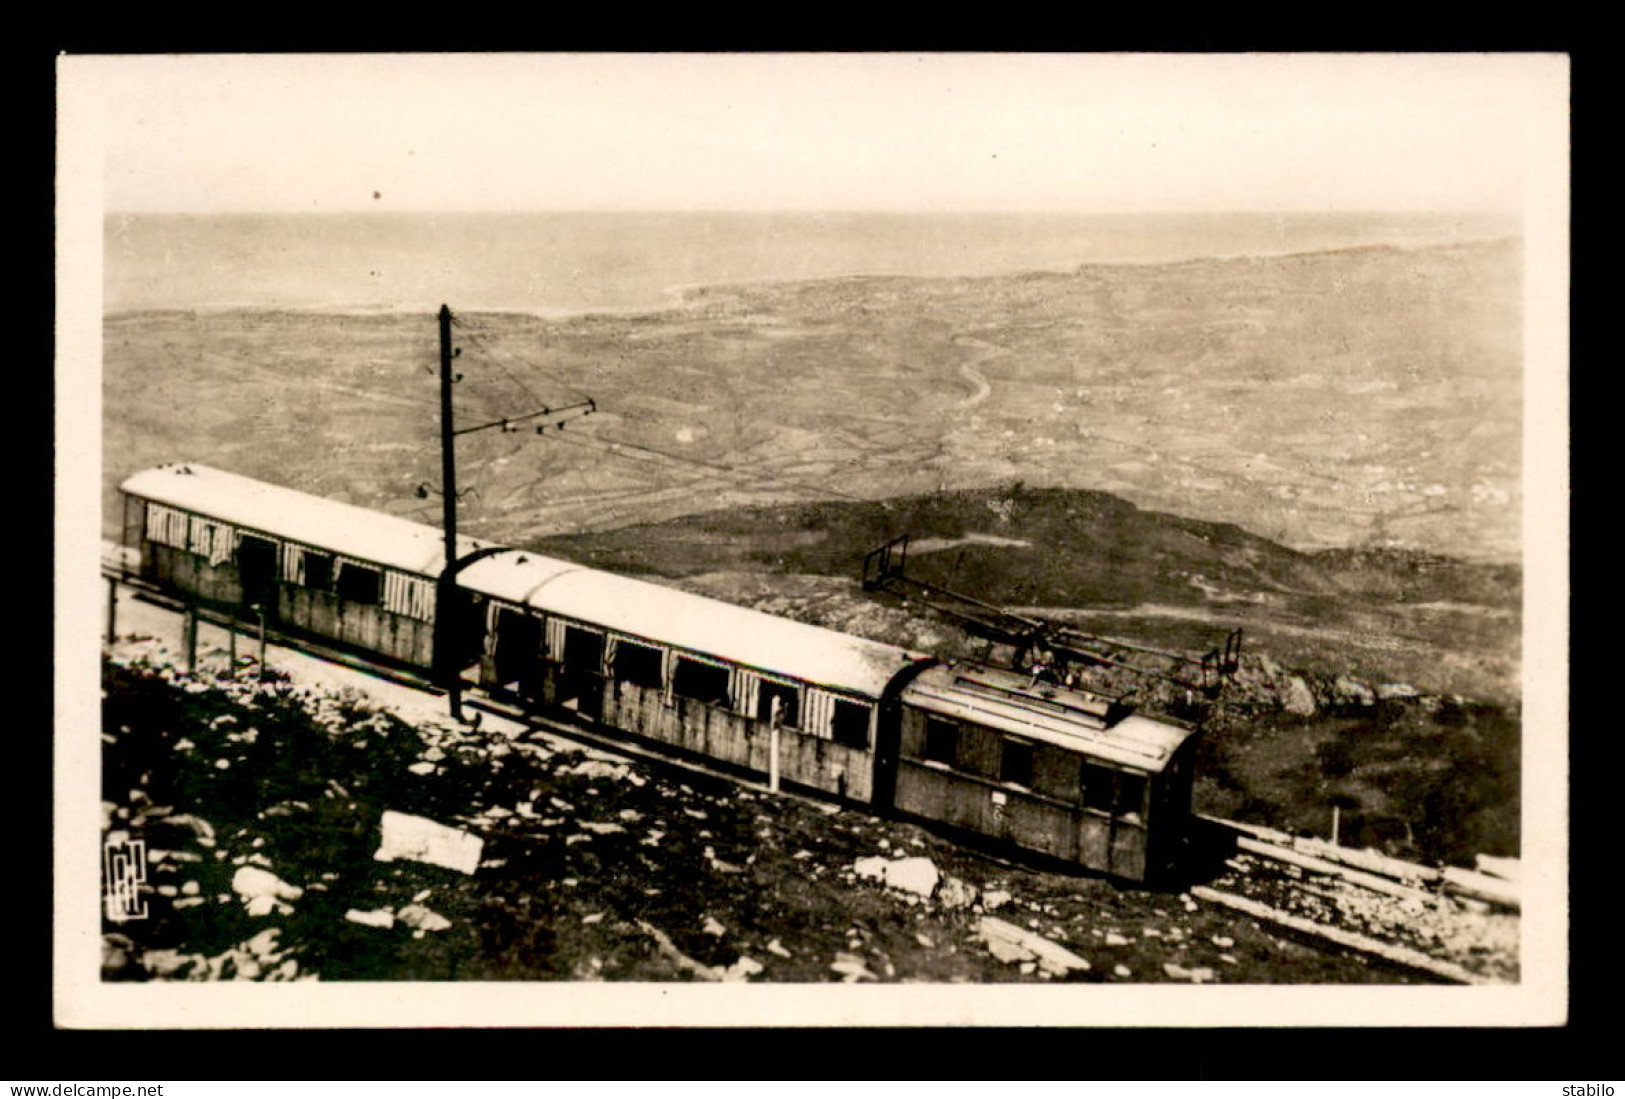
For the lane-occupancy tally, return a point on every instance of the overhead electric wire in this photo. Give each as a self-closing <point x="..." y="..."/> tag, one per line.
<point x="732" y="471"/>
<point x="743" y="477"/>
<point x="469" y="328"/>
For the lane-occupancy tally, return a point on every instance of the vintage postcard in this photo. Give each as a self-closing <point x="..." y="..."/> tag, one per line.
<point x="812" y="539"/>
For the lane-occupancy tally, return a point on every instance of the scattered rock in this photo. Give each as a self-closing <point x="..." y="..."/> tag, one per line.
<point x="713" y="927"/>
<point x="263" y="945"/>
<point x="1010" y="943"/>
<point x="419" y="918"/>
<point x="742" y="970"/>
<point x="776" y="947"/>
<point x="916" y="875"/>
<point x="1196" y="975"/>
<point x="380" y="917"/>
<point x="852" y="968"/>
<point x="1297" y="698"/>
<point x="169" y="965"/>
<point x="995" y="900"/>
<point x="253" y="883"/>
<point x="1348" y="690"/>
<point x="597" y="768"/>
<point x="953" y="893"/>
<point x="1114" y="939"/>
<point x="601" y="829"/>
<point x="118" y="955"/>
<point x="200" y="828"/>
<point x="422" y="840"/>
<point x="683" y="961"/>
<point x="1223" y="942"/>
<point x="422" y="768"/>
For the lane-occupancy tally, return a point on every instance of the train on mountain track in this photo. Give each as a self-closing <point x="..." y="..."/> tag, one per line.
<point x="1018" y="759"/>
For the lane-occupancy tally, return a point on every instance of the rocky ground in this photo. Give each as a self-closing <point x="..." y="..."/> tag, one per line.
<point x="265" y="806"/>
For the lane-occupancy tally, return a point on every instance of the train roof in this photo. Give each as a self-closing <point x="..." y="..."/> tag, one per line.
<point x="512" y="575"/>
<point x="346" y="529"/>
<point x="697" y="623"/>
<point x="1075" y="720"/>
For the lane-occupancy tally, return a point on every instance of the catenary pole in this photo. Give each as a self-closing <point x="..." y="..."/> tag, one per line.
<point x="447" y="635"/>
<point x="444" y="627"/>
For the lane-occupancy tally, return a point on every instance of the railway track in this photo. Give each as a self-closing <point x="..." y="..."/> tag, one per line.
<point x="1454" y="925"/>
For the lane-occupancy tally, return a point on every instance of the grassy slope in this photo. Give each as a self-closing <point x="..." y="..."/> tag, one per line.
<point x="1428" y="778"/>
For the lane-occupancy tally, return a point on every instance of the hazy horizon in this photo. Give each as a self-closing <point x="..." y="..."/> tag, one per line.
<point x="555" y="263"/>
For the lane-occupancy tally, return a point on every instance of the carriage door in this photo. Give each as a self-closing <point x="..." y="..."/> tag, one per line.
<point x="518" y="654"/>
<point x="581" y="678"/>
<point x="256" y="571"/>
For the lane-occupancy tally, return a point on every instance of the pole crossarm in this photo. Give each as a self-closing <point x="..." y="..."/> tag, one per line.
<point x="587" y="407"/>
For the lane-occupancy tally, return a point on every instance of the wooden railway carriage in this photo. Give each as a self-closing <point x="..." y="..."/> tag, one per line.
<point x="341" y="572"/>
<point x="1053" y="770"/>
<point x="1059" y="771"/>
<point x="689" y="672"/>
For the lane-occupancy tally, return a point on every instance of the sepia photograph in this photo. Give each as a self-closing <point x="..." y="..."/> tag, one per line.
<point x="857" y="539"/>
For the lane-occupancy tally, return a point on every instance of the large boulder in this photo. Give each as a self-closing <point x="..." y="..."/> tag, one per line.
<point x="917" y="875"/>
<point x="422" y="840"/>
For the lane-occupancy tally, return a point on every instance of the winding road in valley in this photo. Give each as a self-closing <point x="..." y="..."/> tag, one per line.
<point x="971" y="374"/>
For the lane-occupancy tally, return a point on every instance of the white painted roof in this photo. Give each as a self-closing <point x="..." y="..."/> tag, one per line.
<point x="1073" y="720"/>
<point x="736" y="634"/>
<point x="512" y="575"/>
<point x="287" y="513"/>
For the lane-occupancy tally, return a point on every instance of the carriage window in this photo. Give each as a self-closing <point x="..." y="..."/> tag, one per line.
<point x="318" y="570"/>
<point x="1116" y="792"/>
<point x="1099" y="786"/>
<point x="1130" y="794"/>
<point x="358" y="583"/>
<point x="942" y="741"/>
<point x="700" y="681"/>
<point x="849" y="723"/>
<point x="1016" y="763"/>
<point x="789" y="700"/>
<point x="637" y="664"/>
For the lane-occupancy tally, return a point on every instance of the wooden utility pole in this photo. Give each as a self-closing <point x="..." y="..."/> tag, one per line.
<point x="447" y="629"/>
<point x="445" y="637"/>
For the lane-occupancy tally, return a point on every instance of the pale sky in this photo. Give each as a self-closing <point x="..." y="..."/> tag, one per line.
<point x="930" y="132"/>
